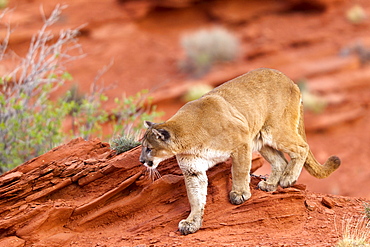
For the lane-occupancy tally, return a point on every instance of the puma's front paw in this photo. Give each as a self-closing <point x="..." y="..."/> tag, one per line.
<point x="189" y="226"/>
<point x="265" y="186"/>
<point x="237" y="198"/>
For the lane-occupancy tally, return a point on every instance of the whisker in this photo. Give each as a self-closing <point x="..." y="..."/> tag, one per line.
<point x="148" y="173"/>
<point x="153" y="174"/>
<point x="157" y="174"/>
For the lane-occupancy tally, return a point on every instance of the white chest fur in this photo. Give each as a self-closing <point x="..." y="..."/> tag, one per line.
<point x="201" y="160"/>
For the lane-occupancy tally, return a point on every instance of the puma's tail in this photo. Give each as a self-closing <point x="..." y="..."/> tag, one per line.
<point x="321" y="171"/>
<point x="312" y="165"/>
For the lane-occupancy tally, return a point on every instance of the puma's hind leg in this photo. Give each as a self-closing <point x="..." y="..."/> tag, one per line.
<point x="278" y="164"/>
<point x="297" y="149"/>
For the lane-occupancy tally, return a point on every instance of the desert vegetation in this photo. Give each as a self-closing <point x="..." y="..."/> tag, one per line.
<point x="206" y="47"/>
<point x="31" y="122"/>
<point x="367" y="210"/>
<point x="355" y="232"/>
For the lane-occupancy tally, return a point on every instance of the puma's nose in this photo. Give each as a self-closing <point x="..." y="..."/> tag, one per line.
<point x="147" y="163"/>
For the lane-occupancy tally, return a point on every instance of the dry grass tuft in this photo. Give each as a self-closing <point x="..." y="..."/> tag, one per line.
<point x="355" y="232"/>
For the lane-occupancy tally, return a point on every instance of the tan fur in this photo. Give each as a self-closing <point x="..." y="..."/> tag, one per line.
<point x="258" y="111"/>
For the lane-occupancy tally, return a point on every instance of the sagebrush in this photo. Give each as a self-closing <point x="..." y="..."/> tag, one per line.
<point x="206" y="47"/>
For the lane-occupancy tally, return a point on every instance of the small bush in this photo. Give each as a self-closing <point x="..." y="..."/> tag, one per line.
<point x="356" y="14"/>
<point x="128" y="120"/>
<point x="125" y="120"/>
<point x="122" y="144"/>
<point x="204" y="48"/>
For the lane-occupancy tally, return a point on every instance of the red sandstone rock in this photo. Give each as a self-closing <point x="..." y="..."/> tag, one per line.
<point x="327" y="202"/>
<point x="58" y="210"/>
<point x="12" y="241"/>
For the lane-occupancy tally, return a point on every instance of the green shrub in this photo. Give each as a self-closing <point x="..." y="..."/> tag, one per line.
<point x="126" y="118"/>
<point x="204" y="48"/>
<point x="31" y="123"/>
<point x="124" y="143"/>
<point x="130" y="112"/>
<point x="88" y="116"/>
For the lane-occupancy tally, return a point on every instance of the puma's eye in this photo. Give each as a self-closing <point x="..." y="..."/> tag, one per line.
<point x="148" y="150"/>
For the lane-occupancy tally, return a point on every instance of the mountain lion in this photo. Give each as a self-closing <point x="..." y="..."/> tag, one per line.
<point x="258" y="111"/>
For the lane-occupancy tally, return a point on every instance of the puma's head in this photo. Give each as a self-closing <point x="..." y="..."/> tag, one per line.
<point x="155" y="145"/>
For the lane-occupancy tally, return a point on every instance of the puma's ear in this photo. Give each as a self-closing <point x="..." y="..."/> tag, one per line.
<point x="148" y="124"/>
<point x="161" y="134"/>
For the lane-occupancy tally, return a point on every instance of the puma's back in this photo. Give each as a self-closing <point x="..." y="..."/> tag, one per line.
<point x="264" y="96"/>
